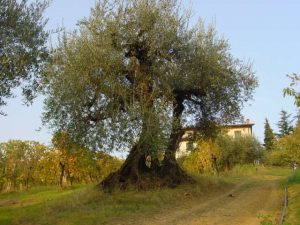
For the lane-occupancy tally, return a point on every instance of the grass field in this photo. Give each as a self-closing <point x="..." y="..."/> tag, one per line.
<point x="88" y="205"/>
<point x="50" y="205"/>
<point x="30" y="204"/>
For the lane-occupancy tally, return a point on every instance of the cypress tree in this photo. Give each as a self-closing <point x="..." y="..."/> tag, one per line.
<point x="285" y="124"/>
<point x="269" y="136"/>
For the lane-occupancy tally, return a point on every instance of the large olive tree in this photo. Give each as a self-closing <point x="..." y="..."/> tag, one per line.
<point x="133" y="75"/>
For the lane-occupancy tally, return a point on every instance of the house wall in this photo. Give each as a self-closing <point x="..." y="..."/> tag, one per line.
<point x="182" y="150"/>
<point x="187" y="134"/>
<point x="245" y="131"/>
<point x="231" y="131"/>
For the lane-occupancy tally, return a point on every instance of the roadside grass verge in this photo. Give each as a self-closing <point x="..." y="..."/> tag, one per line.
<point x="293" y="209"/>
<point x="261" y="170"/>
<point x="294" y="178"/>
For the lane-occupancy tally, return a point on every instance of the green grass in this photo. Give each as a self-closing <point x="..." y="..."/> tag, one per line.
<point x="29" y="203"/>
<point x="294" y="178"/>
<point x="249" y="169"/>
<point x="50" y="205"/>
<point x="293" y="210"/>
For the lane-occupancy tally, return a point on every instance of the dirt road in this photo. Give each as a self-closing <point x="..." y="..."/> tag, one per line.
<point x="239" y="206"/>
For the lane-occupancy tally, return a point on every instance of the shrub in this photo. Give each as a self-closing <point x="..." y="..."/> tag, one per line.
<point x="287" y="150"/>
<point x="242" y="150"/>
<point x="277" y="158"/>
<point x="200" y="161"/>
<point x="294" y="178"/>
<point x="228" y="152"/>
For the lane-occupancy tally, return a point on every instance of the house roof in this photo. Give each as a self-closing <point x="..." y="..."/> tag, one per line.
<point x="190" y="129"/>
<point x="242" y="125"/>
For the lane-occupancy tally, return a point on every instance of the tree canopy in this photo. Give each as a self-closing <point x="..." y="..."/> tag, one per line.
<point x="292" y="90"/>
<point x="22" y="46"/>
<point x="285" y="124"/>
<point x="134" y="74"/>
<point x="24" y="164"/>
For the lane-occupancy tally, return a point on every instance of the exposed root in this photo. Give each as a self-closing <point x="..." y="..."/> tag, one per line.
<point x="163" y="176"/>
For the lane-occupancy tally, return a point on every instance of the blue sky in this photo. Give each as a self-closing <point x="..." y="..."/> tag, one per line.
<point x="264" y="32"/>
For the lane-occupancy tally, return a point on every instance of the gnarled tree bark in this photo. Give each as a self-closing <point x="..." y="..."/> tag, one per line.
<point x="137" y="174"/>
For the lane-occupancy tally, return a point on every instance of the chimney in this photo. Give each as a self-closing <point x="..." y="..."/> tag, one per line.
<point x="247" y="121"/>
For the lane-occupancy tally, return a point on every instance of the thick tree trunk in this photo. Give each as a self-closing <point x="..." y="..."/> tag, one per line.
<point x="134" y="173"/>
<point x="140" y="169"/>
<point x="137" y="172"/>
<point x="170" y="169"/>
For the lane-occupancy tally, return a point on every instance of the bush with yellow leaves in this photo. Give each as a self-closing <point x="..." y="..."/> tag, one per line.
<point x="222" y="154"/>
<point x="202" y="159"/>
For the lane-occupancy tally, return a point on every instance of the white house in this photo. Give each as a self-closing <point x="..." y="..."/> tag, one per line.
<point x="188" y="142"/>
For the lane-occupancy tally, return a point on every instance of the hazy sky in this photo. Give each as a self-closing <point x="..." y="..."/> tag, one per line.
<point x="265" y="32"/>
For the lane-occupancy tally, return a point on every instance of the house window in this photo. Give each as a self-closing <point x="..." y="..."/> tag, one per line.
<point x="237" y="133"/>
<point x="190" y="135"/>
<point x="189" y="146"/>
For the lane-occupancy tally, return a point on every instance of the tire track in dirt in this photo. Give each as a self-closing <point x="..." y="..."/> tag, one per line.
<point x="239" y="206"/>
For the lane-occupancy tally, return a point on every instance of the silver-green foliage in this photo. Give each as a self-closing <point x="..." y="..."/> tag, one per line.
<point x="113" y="82"/>
<point x="242" y="150"/>
<point x="292" y="90"/>
<point x="22" y="46"/>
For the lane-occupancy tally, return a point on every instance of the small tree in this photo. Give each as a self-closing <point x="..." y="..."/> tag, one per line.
<point x="242" y="150"/>
<point x="200" y="160"/>
<point x="269" y="136"/>
<point x="285" y="124"/>
<point x="290" y="146"/>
